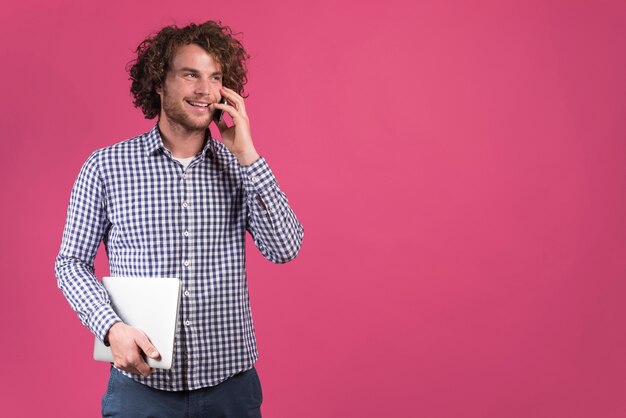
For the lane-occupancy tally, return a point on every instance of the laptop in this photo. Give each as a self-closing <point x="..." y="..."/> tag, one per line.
<point x="147" y="303"/>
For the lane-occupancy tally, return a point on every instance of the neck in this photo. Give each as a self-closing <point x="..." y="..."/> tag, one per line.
<point x="182" y="142"/>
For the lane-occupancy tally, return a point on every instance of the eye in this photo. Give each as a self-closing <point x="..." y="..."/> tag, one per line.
<point x="191" y="75"/>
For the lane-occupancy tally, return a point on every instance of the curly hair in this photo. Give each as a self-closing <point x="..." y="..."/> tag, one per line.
<point x="154" y="54"/>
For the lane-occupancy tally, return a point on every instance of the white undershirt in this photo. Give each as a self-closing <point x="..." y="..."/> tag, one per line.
<point x="184" y="161"/>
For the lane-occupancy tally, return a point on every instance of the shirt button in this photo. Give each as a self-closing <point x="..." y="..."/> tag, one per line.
<point x="185" y="205"/>
<point x="187" y="293"/>
<point x="186" y="263"/>
<point x="187" y="322"/>
<point x="186" y="233"/>
<point x="255" y="178"/>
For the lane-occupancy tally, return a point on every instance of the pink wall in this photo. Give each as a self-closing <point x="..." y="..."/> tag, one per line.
<point x="459" y="168"/>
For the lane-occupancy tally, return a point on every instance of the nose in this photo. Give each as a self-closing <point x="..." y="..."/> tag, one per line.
<point x="202" y="87"/>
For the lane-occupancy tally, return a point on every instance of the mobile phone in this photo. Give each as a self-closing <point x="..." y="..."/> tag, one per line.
<point x="219" y="113"/>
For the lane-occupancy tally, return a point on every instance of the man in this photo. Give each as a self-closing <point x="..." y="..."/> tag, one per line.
<point x="174" y="202"/>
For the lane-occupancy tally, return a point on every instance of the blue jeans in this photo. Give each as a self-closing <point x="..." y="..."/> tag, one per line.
<point x="238" y="397"/>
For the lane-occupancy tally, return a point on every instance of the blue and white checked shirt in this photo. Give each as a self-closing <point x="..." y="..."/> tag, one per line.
<point x="160" y="220"/>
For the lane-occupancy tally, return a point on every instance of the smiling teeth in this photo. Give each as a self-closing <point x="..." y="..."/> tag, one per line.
<point x="198" y="104"/>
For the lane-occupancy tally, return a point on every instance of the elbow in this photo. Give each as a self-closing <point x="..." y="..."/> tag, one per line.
<point x="59" y="269"/>
<point x="290" y="249"/>
<point x="284" y="258"/>
<point x="62" y="267"/>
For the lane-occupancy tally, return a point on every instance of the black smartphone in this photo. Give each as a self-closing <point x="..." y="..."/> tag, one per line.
<point x="219" y="113"/>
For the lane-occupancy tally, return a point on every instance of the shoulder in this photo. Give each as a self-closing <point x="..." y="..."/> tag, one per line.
<point x="123" y="150"/>
<point x="127" y="146"/>
<point x="106" y="159"/>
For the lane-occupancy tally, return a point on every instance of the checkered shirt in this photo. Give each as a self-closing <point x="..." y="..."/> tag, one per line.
<point x="159" y="220"/>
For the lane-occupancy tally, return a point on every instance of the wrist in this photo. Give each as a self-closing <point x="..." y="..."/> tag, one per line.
<point x="248" y="158"/>
<point x="112" y="330"/>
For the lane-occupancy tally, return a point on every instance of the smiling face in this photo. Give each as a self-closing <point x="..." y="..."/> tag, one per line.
<point x="193" y="81"/>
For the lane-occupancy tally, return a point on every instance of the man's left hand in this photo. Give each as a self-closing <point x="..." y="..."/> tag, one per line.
<point x="237" y="138"/>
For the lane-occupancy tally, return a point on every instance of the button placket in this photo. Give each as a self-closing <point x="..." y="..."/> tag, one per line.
<point x="185" y="249"/>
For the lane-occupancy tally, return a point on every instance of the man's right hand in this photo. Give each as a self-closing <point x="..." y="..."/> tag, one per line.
<point x="127" y="344"/>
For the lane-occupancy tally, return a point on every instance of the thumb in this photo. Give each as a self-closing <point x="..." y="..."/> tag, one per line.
<point x="146" y="346"/>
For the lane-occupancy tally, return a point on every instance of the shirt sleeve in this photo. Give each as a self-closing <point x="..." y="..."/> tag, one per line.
<point x="85" y="228"/>
<point x="276" y="231"/>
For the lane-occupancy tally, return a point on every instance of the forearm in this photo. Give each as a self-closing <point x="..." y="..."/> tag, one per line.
<point x="276" y="231"/>
<point x="85" y="294"/>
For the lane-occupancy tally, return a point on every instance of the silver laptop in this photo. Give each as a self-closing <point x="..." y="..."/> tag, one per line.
<point x="147" y="303"/>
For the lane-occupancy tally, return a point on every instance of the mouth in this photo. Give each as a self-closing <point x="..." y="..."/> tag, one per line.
<point x="201" y="106"/>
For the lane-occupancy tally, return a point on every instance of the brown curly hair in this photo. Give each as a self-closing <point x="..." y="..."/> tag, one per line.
<point x="148" y="70"/>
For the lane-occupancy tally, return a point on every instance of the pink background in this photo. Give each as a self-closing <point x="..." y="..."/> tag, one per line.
<point x="459" y="169"/>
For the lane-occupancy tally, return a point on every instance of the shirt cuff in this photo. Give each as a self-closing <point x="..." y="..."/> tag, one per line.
<point x="257" y="176"/>
<point x="102" y="319"/>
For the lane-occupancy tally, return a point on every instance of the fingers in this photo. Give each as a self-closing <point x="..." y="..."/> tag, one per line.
<point x="235" y="107"/>
<point x="237" y="138"/>
<point x="235" y="99"/>
<point x="143" y="368"/>
<point x="137" y="361"/>
<point x="132" y="361"/>
<point x="134" y="364"/>
<point x="226" y="108"/>
<point x="127" y="346"/>
<point x="239" y="118"/>
<point x="146" y="346"/>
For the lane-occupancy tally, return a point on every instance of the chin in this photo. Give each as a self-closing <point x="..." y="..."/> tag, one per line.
<point x="196" y="125"/>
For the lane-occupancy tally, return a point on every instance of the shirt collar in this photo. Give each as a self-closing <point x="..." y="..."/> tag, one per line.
<point x="153" y="142"/>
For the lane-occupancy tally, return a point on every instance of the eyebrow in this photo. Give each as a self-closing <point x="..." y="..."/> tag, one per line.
<point x="192" y="70"/>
